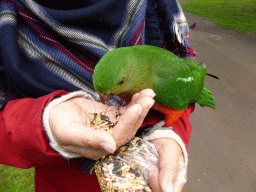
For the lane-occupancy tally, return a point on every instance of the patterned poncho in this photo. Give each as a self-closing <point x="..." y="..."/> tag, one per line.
<point x="48" y="46"/>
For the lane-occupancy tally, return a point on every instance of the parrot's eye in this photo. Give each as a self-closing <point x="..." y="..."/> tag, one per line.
<point x="122" y="81"/>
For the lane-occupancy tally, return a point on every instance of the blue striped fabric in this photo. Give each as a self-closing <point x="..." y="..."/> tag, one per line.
<point x="47" y="47"/>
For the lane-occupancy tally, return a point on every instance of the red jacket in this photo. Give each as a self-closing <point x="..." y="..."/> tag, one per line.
<point x="23" y="143"/>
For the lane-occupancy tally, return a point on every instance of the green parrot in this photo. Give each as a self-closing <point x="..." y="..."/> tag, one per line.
<point x="177" y="82"/>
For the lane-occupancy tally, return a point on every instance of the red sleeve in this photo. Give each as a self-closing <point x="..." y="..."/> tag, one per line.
<point x="23" y="141"/>
<point x="182" y="126"/>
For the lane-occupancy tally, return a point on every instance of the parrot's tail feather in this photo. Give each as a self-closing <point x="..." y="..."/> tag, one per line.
<point x="211" y="75"/>
<point x="205" y="98"/>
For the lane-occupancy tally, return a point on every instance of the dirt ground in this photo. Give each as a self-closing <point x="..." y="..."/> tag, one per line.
<point x="222" y="150"/>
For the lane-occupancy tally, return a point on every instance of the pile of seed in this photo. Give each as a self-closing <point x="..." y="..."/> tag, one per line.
<point x="101" y="121"/>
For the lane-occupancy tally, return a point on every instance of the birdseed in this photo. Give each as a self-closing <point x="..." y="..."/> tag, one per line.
<point x="127" y="169"/>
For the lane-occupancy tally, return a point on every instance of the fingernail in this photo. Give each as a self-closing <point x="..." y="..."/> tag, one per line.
<point x="107" y="147"/>
<point x="151" y="103"/>
<point x="169" y="187"/>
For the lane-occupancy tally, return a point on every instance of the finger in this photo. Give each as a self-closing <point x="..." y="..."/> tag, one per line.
<point x="137" y="96"/>
<point x="146" y="103"/>
<point x="169" y="153"/>
<point x="153" y="179"/>
<point x="182" y="176"/>
<point x="146" y="93"/>
<point x="133" y="117"/>
<point x="131" y="121"/>
<point x="87" y="152"/>
<point x="124" y="129"/>
<point x="86" y="137"/>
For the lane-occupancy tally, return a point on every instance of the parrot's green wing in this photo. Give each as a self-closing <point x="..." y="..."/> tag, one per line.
<point x="178" y="81"/>
<point x="177" y="92"/>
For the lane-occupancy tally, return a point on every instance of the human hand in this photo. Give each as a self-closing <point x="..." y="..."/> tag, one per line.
<point x="70" y="124"/>
<point x="163" y="179"/>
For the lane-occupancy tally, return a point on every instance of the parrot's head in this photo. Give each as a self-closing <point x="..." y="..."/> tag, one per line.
<point x="114" y="74"/>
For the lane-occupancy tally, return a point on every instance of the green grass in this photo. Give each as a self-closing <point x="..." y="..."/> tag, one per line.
<point x="16" y="180"/>
<point x="235" y="14"/>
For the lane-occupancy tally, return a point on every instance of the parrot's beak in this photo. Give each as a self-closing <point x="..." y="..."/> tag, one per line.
<point x="104" y="98"/>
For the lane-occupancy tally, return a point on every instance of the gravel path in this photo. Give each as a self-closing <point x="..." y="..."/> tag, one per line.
<point x="222" y="150"/>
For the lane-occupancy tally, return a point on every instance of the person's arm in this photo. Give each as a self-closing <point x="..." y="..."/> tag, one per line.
<point x="23" y="141"/>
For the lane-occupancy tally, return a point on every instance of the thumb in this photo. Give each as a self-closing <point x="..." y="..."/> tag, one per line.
<point x="169" y="155"/>
<point x="103" y="140"/>
<point x="125" y="129"/>
<point x="86" y="137"/>
<point x="168" y="173"/>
